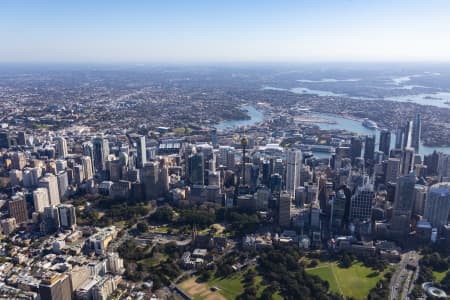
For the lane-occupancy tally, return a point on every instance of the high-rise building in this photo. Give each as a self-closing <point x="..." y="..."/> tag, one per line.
<point x="385" y="142"/>
<point x="150" y="179"/>
<point x="416" y="130"/>
<point x="63" y="184"/>
<point x="437" y="204"/>
<point x="338" y="205"/>
<point x="284" y="209"/>
<point x="443" y="167"/>
<point x="50" y="182"/>
<point x="19" y="160"/>
<point x="55" y="286"/>
<point x="407" y="161"/>
<point x="140" y="145"/>
<point x="356" y="148"/>
<point x="196" y="169"/>
<point x="293" y="167"/>
<point x="362" y="201"/>
<point x="403" y="204"/>
<point x="369" y="148"/>
<point x="407" y="134"/>
<point x="67" y="215"/>
<point x="18" y="209"/>
<point x="21" y="138"/>
<point x="100" y="153"/>
<point x="5" y="140"/>
<point x="78" y="174"/>
<point x="87" y="167"/>
<point x="40" y="199"/>
<point x="61" y="147"/>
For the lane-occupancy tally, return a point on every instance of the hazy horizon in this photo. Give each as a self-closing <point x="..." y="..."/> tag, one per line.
<point x="183" y="32"/>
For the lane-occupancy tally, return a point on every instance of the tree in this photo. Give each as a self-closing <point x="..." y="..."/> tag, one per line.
<point x="142" y="227"/>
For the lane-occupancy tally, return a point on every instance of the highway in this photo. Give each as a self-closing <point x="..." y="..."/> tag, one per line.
<point x="403" y="278"/>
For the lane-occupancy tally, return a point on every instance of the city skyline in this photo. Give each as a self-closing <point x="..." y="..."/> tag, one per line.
<point x="232" y="31"/>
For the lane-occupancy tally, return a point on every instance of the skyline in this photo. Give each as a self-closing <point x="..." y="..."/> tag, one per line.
<point x="201" y="31"/>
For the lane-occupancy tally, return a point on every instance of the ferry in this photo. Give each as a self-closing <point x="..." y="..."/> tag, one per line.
<point x="369" y="124"/>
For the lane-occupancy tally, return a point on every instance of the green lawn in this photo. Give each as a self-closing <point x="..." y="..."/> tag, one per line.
<point x="325" y="273"/>
<point x="355" y="282"/>
<point x="438" y="276"/>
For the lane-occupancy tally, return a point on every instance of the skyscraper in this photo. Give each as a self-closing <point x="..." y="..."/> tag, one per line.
<point x="407" y="134"/>
<point x="369" y="148"/>
<point x="196" y="169"/>
<point x="361" y="202"/>
<point x="385" y="142"/>
<point x="293" y="167"/>
<point x="407" y="161"/>
<point x="55" y="286"/>
<point x="67" y="215"/>
<point x="61" y="147"/>
<point x="284" y="209"/>
<point x="141" y="149"/>
<point x="50" y="182"/>
<point x="100" y="152"/>
<point x="40" y="199"/>
<point x="5" y="140"/>
<point x="356" y="148"/>
<point x="392" y="170"/>
<point x="87" y="167"/>
<point x="416" y="132"/>
<point x="18" y="209"/>
<point x="437" y="204"/>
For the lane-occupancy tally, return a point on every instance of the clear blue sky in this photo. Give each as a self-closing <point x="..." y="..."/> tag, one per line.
<point x="224" y="30"/>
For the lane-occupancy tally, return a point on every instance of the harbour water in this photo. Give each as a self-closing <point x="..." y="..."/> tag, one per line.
<point x="339" y="122"/>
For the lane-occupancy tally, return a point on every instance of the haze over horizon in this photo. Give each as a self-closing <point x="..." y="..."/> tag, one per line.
<point x="209" y="31"/>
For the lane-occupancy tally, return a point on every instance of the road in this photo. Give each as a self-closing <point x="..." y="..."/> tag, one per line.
<point x="403" y="278"/>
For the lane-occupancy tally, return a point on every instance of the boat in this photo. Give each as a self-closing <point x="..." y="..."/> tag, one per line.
<point x="369" y="124"/>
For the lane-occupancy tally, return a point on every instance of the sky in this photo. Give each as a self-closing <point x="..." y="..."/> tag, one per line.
<point x="224" y="31"/>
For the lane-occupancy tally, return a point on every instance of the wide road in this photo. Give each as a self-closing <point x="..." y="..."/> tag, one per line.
<point x="403" y="278"/>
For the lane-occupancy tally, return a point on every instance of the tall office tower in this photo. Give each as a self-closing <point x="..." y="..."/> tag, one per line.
<point x="342" y="153"/>
<point x="338" y="205"/>
<point x="196" y="169"/>
<point x="432" y="162"/>
<point x="437" y="205"/>
<point x="141" y="149"/>
<point x="88" y="149"/>
<point x="276" y="182"/>
<point x="63" y="184"/>
<point x="61" y="165"/>
<point x="415" y="135"/>
<point x="443" y="165"/>
<point x="361" y="202"/>
<point x="86" y="162"/>
<point x="284" y="209"/>
<point x="369" y="148"/>
<point x="420" y="195"/>
<point x="61" y="147"/>
<point x="50" y="220"/>
<point x="385" y="142"/>
<point x="293" y="167"/>
<point x="407" y="134"/>
<point x="407" y="161"/>
<point x="5" y="140"/>
<point x="392" y="170"/>
<point x="150" y="178"/>
<point x="15" y="177"/>
<point x="399" y="138"/>
<point x="78" y="174"/>
<point x="21" y="138"/>
<point x="40" y="199"/>
<point x="19" y="160"/>
<point x="18" y="209"/>
<point x="50" y="182"/>
<point x="31" y="177"/>
<point x="403" y="204"/>
<point x="355" y="148"/>
<point x="55" y="286"/>
<point x="100" y="153"/>
<point x="115" y="170"/>
<point x="404" y="195"/>
<point x="67" y="215"/>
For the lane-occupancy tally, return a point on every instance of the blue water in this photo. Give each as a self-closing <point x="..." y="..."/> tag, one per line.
<point x="257" y="116"/>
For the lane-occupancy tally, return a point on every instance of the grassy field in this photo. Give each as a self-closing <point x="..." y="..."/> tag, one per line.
<point x="229" y="287"/>
<point x="439" y="276"/>
<point x="355" y="282"/>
